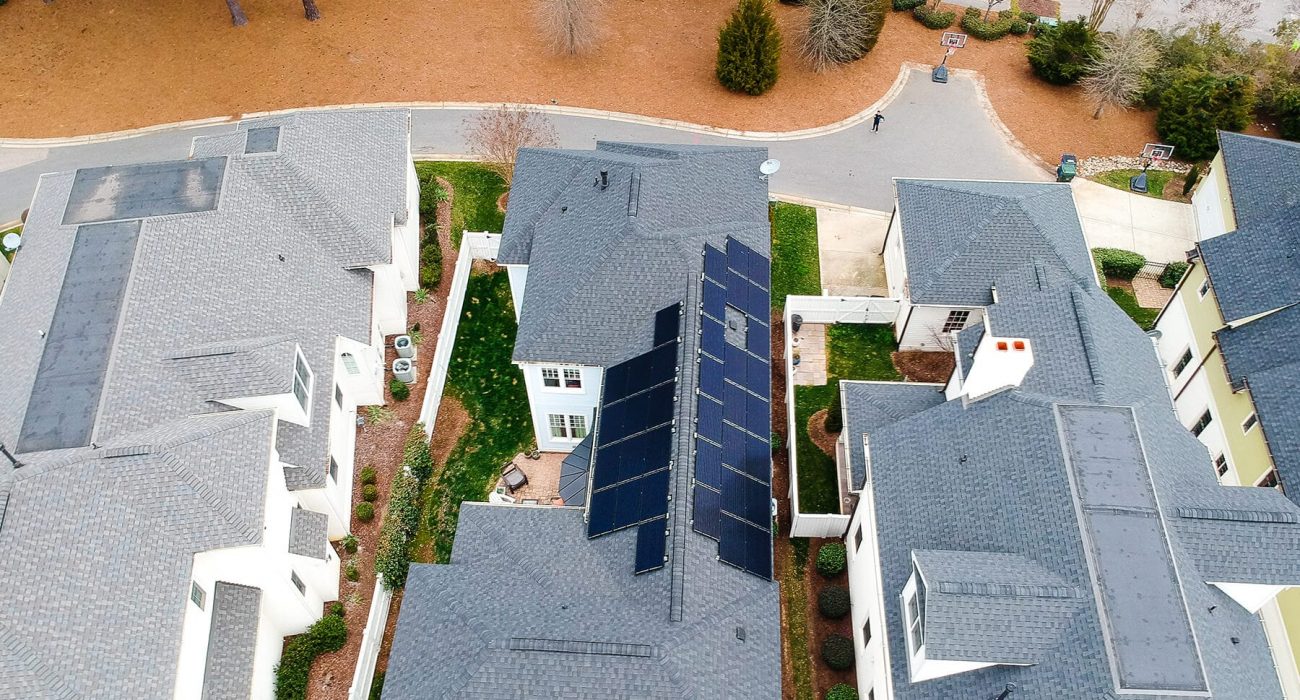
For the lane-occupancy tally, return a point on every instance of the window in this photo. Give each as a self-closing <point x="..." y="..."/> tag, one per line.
<point x="302" y="381"/>
<point x="551" y="377"/>
<point x="915" y="620"/>
<point x="866" y="633"/>
<point x="956" y="321"/>
<point x="350" y="364"/>
<point x="1202" y="423"/>
<point x="1221" y="465"/>
<point x="334" y="469"/>
<point x="572" y="379"/>
<point x="577" y="427"/>
<point x="297" y="582"/>
<point x="857" y="538"/>
<point x="1183" y="361"/>
<point x="558" y="429"/>
<point x="1205" y="288"/>
<point x="1251" y="421"/>
<point x="1269" y="481"/>
<point x="338" y="396"/>
<point x="567" y="427"/>
<point x="197" y="595"/>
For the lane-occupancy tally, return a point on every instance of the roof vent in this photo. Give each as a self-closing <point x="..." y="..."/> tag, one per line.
<point x="604" y="180"/>
<point x="740" y="633"/>
<point x="634" y="193"/>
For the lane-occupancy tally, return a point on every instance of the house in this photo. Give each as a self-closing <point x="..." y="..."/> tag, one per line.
<point x="949" y="243"/>
<point x="647" y="267"/>
<point x="186" y="345"/>
<point x="1228" y="341"/>
<point x="1042" y="526"/>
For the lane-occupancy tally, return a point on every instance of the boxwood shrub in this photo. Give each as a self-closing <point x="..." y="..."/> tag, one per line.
<point x="837" y="652"/>
<point x="399" y="389"/>
<point x="365" y="512"/>
<point x="833" y="602"/>
<point x="327" y="634"/>
<point x="831" y="559"/>
<point x="973" y="22"/>
<point x="934" y="19"/>
<point x="368" y="475"/>
<point x="842" y="691"/>
<point x="1118" y="263"/>
<point x="1172" y="273"/>
<point x="905" y="5"/>
<point x="370" y="492"/>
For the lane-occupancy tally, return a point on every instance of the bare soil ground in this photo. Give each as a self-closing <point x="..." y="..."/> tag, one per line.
<point x="89" y="66"/>
<point x="920" y="366"/>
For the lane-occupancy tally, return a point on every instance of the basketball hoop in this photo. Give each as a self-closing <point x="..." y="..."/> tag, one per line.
<point x="1157" y="151"/>
<point x="953" y="39"/>
<point x="951" y="50"/>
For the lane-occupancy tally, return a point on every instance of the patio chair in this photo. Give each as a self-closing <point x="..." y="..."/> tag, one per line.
<point x="515" y="477"/>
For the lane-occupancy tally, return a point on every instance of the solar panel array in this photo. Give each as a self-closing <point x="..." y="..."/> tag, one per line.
<point x="733" y="455"/>
<point x="632" y="462"/>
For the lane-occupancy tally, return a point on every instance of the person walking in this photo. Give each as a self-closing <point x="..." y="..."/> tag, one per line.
<point x="875" y="121"/>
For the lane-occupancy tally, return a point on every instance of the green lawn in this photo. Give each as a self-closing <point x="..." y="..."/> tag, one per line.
<point x="1156" y="180"/>
<point x="1145" y="318"/>
<point x="795" y="267"/>
<point x="491" y="389"/>
<point x="474" y="206"/>
<point x="854" y="351"/>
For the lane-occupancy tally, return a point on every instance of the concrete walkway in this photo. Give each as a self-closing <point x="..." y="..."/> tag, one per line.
<point x="849" y="246"/>
<point x="852" y="166"/>
<point x="1162" y="231"/>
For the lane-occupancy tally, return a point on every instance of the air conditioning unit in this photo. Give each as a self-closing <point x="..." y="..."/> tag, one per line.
<point x="404" y="346"/>
<point x="404" y="369"/>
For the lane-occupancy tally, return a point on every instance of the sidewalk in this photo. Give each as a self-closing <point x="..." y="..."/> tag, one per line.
<point x="1162" y="231"/>
<point x="849" y="245"/>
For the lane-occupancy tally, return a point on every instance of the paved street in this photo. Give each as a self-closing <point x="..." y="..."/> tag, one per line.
<point x="930" y="130"/>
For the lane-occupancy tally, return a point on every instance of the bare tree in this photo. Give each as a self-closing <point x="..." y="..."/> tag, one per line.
<point x="572" y="26"/>
<point x="496" y="135"/>
<point x="840" y="31"/>
<point x="237" y="16"/>
<point x="1231" y="16"/>
<point x="989" y="9"/>
<point x="1116" y="77"/>
<point x="1097" y="15"/>
<point x="309" y="7"/>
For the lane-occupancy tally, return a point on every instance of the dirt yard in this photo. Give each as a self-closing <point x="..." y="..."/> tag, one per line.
<point x="88" y="66"/>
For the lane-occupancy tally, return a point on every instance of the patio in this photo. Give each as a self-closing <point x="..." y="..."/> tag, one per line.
<point x="543" y="487"/>
<point x="809" y="344"/>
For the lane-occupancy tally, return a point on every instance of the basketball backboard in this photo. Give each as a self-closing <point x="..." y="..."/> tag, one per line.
<point x="953" y="39"/>
<point x="1157" y="151"/>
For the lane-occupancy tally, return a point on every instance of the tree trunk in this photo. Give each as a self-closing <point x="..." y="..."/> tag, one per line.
<point x="1101" y="107"/>
<point x="237" y="16"/>
<point x="309" y="7"/>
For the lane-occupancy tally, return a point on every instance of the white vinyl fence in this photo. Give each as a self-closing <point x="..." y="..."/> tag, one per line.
<point x="473" y="246"/>
<point x="822" y="310"/>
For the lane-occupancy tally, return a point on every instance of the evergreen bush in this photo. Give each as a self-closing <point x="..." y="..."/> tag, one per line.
<point x="368" y="475"/>
<point x="749" y="48"/>
<point x="365" y="512"/>
<point x="1118" y="263"/>
<point x="1061" y="54"/>
<point x="416" y="454"/>
<point x="833" y="602"/>
<point x="1199" y="103"/>
<point x="907" y="5"/>
<point x="934" y="19"/>
<point x="325" y="635"/>
<point x="399" y="389"/>
<point x="831" y="559"/>
<point x="350" y="543"/>
<point x="837" y="652"/>
<point x="370" y="492"/>
<point x="1172" y="273"/>
<point x="1190" y="181"/>
<point x="842" y="691"/>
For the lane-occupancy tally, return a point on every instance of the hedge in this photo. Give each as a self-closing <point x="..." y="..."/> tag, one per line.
<point x="1172" y="273"/>
<point x="416" y="454"/>
<point x="831" y="559"/>
<point x="934" y="19"/>
<point x="392" y="554"/>
<point x="973" y="22"/>
<point x="327" y="634"/>
<point x="842" y="691"/>
<point x="837" y="652"/>
<point x="430" y="261"/>
<point x="907" y="5"/>
<point x="1118" y="263"/>
<point x="833" y="602"/>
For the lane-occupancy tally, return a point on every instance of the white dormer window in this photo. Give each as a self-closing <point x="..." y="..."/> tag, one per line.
<point x="914" y="610"/>
<point x="302" y="382"/>
<point x="350" y="364"/>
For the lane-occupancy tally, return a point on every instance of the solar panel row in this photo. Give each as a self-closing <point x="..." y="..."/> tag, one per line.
<point x="651" y="545"/>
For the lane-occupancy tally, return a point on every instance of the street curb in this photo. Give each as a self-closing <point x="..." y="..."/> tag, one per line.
<point x="978" y="79"/>
<point x="904" y="73"/>
<point x="822" y="204"/>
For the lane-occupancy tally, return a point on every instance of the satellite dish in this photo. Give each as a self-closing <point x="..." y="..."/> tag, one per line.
<point x="769" y="167"/>
<point x="11" y="241"/>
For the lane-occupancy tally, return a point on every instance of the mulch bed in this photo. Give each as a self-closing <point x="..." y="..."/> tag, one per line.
<point x="923" y="366"/>
<point x="817" y="431"/>
<point x="821" y="628"/>
<point x="381" y="446"/>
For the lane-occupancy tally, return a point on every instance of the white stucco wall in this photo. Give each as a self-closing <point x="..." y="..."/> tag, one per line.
<point x="867" y="602"/>
<point x="1207" y="204"/>
<point x="545" y="400"/>
<point x="389" y="300"/>
<point x="518" y="275"/>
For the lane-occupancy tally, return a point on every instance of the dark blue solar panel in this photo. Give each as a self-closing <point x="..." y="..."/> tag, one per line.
<point x="711" y="377"/>
<point x="709" y="419"/>
<point x="747" y="453"/>
<point x="758" y="338"/>
<point x="708" y="464"/>
<point x="758" y="415"/>
<point x="757" y="376"/>
<point x="637" y="413"/>
<point x="715" y="299"/>
<point x="668" y="323"/>
<point x="705" y="512"/>
<point x="712" y="339"/>
<point x="632" y="457"/>
<point x="651" y="545"/>
<point x="759" y="268"/>
<point x="750" y="298"/>
<point x="745" y="546"/>
<point x="745" y="498"/>
<point x="736" y="284"/>
<point x="733" y="364"/>
<point x="715" y="263"/>
<point x="628" y="504"/>
<point x="733" y="404"/>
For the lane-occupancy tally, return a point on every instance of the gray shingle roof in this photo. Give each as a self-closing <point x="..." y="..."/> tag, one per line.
<point x="237" y="368"/>
<point x="308" y="533"/>
<point x="232" y="642"/>
<point x="1253" y="269"/>
<point x="874" y="405"/>
<point x="96" y="549"/>
<point x="993" y="476"/>
<point x="960" y="237"/>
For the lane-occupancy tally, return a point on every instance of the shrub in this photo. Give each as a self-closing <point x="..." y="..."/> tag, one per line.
<point x="351" y="572"/>
<point x="368" y="475"/>
<point x="831" y="559"/>
<point x="365" y="512"/>
<point x="834" y="422"/>
<point x="749" y="47"/>
<point x="430" y="263"/>
<point x="1029" y="17"/>
<point x="336" y="609"/>
<point x="906" y="5"/>
<point x="1117" y="263"/>
<point x="1061" y="54"/>
<point x="1172" y="273"/>
<point x="841" y="31"/>
<point x="350" y="543"/>
<point x="399" y="389"/>
<point x="327" y="634"/>
<point x="974" y="24"/>
<point x="842" y="691"/>
<point x="1019" y="26"/>
<point x="833" y="602"/>
<point x="837" y="652"/>
<point x="370" y="492"/>
<point x="1285" y="107"/>
<point x="392" y="555"/>
<point x="1199" y="103"/>
<point x="416" y="454"/>
<point x="1190" y="181"/>
<point x="934" y="19"/>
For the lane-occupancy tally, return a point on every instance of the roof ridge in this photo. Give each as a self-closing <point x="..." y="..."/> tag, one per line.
<point x="34" y="663"/>
<point x="219" y="505"/>
<point x="975" y="233"/>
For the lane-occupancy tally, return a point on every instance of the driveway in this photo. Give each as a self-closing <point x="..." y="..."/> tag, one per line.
<point x="1162" y="231"/>
<point x="849" y="245"/>
<point x="930" y="130"/>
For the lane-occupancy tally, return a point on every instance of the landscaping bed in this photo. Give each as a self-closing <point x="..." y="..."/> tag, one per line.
<point x="925" y="366"/>
<point x="1161" y="184"/>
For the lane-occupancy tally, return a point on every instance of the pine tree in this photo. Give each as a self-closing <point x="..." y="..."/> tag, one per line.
<point x="749" y="48"/>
